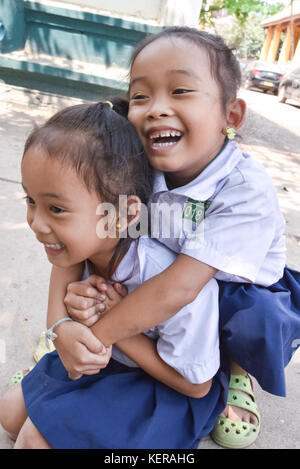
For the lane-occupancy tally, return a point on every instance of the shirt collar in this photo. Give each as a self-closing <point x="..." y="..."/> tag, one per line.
<point x="205" y="184"/>
<point x="129" y="265"/>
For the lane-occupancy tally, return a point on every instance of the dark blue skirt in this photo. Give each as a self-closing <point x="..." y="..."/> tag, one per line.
<point x="119" y="408"/>
<point x="260" y="328"/>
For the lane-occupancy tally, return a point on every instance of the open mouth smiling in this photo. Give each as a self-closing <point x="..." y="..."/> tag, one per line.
<point x="160" y="139"/>
<point x="54" y="249"/>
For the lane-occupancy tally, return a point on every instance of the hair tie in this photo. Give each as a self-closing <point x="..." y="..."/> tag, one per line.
<point x="109" y="103"/>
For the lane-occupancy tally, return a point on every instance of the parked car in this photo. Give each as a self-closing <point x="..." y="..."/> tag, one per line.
<point x="290" y="86"/>
<point x="261" y="75"/>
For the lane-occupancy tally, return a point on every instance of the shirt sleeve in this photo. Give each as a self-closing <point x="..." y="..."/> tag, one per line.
<point x="237" y="231"/>
<point x="189" y="340"/>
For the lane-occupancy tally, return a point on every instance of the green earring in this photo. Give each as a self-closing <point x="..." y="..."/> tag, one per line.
<point x="230" y="132"/>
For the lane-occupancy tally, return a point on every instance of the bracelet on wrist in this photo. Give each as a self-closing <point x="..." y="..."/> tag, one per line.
<point x="50" y="334"/>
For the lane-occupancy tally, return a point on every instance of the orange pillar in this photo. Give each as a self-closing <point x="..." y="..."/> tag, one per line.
<point x="266" y="46"/>
<point x="295" y="35"/>
<point x="285" y="52"/>
<point x="274" y="44"/>
<point x="296" y="57"/>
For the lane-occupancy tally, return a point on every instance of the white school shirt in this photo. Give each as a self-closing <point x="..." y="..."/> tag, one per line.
<point x="227" y="217"/>
<point x="189" y="340"/>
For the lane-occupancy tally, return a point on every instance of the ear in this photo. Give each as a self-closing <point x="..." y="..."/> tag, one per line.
<point x="133" y="209"/>
<point x="236" y="113"/>
<point x="129" y="213"/>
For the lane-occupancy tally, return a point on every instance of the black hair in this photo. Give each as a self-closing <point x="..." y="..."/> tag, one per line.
<point x="225" y="68"/>
<point x="100" y="143"/>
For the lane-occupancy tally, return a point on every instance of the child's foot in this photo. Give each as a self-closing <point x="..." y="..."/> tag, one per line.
<point x="236" y="413"/>
<point x="239" y="424"/>
<point x="240" y="415"/>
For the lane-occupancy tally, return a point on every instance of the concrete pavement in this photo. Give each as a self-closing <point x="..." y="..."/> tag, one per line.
<point x="25" y="273"/>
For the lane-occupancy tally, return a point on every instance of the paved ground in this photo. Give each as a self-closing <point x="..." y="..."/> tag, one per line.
<point x="271" y="134"/>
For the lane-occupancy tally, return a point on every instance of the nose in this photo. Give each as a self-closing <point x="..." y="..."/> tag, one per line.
<point x="38" y="223"/>
<point x="159" y="108"/>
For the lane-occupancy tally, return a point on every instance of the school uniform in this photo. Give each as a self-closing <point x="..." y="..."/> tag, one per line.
<point x="122" y="406"/>
<point x="228" y="217"/>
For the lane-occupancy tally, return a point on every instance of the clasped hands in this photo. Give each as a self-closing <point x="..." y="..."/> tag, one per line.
<point x="80" y="351"/>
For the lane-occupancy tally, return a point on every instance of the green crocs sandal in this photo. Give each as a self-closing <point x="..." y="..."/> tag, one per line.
<point x="235" y="434"/>
<point x="18" y="376"/>
<point x="39" y="352"/>
<point x="42" y="348"/>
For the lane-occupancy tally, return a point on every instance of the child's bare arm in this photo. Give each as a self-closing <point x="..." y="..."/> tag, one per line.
<point x="143" y="352"/>
<point x="154" y="301"/>
<point x="59" y="280"/>
<point x="76" y="345"/>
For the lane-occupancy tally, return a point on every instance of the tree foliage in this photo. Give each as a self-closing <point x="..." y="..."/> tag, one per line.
<point x="238" y="8"/>
<point x="246" y="39"/>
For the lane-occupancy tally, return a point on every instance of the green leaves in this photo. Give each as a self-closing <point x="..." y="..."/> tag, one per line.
<point x="238" y="8"/>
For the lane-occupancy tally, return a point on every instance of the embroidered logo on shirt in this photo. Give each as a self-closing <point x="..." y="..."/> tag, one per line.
<point x="194" y="210"/>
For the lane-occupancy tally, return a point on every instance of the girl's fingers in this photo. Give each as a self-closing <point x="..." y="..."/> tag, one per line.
<point x="92" y="371"/>
<point x="92" y="287"/>
<point x="83" y="296"/>
<point x="81" y="303"/>
<point x="91" y="363"/>
<point x="111" y="293"/>
<point x="98" y="283"/>
<point x="83" y="289"/>
<point x="94" y="352"/>
<point x="87" y="316"/>
<point x="121" y="289"/>
<point x="116" y="292"/>
<point x="88" y="364"/>
<point x="91" y="320"/>
<point x="73" y="375"/>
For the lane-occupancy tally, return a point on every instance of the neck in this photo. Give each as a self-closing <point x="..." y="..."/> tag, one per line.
<point x="100" y="272"/>
<point x="106" y="264"/>
<point x="100" y="264"/>
<point x="172" y="179"/>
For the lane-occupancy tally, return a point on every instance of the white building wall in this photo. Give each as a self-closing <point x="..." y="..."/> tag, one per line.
<point x="142" y="9"/>
<point x="163" y="12"/>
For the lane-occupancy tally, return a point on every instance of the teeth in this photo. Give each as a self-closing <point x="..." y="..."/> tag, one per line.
<point x="165" y="144"/>
<point x="54" y="246"/>
<point x="165" y="133"/>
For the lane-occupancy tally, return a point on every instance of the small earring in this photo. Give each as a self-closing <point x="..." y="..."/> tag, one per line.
<point x="230" y="132"/>
<point x="118" y="226"/>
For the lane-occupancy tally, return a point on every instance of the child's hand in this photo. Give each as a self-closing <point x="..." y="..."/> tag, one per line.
<point x="86" y="300"/>
<point x="79" y="350"/>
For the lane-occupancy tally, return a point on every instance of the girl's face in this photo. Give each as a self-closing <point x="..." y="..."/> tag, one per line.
<point x="62" y="212"/>
<point x="175" y="105"/>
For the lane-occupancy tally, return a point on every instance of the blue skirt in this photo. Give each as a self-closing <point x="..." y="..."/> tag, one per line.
<point x="260" y="328"/>
<point x="119" y="408"/>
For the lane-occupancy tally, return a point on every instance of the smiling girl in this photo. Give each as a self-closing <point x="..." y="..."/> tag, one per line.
<point x="161" y="389"/>
<point x="184" y="105"/>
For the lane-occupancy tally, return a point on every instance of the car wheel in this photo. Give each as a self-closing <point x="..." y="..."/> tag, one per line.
<point x="281" y="95"/>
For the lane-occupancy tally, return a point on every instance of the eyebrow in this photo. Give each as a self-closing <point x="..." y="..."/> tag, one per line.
<point x="50" y="194"/>
<point x="186" y="72"/>
<point x="136" y="80"/>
